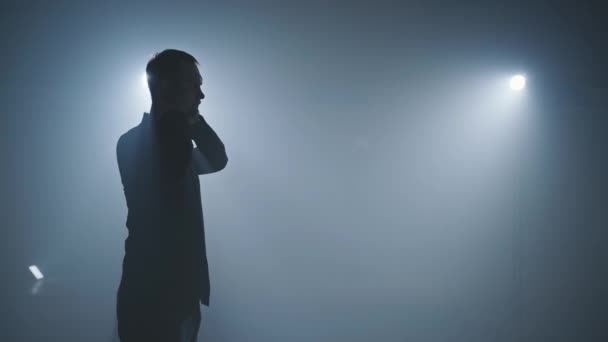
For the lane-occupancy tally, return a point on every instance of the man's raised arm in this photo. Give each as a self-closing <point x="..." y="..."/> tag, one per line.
<point x="210" y="154"/>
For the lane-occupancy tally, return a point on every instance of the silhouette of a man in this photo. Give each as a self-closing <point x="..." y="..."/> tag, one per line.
<point x="165" y="273"/>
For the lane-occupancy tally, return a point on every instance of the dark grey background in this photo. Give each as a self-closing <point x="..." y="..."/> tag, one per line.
<point x="384" y="182"/>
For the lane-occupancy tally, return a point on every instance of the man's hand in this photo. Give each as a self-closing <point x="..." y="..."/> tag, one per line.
<point x="180" y="119"/>
<point x="192" y="118"/>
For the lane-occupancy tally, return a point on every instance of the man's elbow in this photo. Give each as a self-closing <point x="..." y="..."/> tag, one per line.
<point x="218" y="163"/>
<point x="221" y="163"/>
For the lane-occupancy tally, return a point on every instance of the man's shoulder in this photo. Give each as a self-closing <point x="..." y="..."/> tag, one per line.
<point x="128" y="138"/>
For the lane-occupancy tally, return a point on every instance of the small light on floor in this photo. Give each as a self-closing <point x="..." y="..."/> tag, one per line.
<point x="36" y="272"/>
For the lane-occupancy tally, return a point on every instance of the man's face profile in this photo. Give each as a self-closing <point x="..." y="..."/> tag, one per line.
<point x="183" y="93"/>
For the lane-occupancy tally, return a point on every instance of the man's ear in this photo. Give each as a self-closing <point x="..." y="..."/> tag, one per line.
<point x="168" y="92"/>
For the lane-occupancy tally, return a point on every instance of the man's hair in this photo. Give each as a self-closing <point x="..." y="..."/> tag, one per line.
<point x="164" y="66"/>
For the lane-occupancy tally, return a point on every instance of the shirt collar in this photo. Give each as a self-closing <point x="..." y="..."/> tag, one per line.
<point x="147" y="118"/>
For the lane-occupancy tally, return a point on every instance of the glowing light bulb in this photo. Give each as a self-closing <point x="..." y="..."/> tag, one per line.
<point x="517" y="82"/>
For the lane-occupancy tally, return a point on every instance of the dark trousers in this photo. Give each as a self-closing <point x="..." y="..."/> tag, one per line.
<point x="145" y="318"/>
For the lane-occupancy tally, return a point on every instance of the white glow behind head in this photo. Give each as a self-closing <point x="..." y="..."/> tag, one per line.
<point x="36" y="272"/>
<point x="144" y="80"/>
<point x="517" y="82"/>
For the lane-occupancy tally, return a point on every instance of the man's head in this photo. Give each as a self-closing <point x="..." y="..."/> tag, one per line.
<point x="174" y="82"/>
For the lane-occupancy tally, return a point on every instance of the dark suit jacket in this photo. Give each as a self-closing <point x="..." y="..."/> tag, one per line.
<point x="165" y="257"/>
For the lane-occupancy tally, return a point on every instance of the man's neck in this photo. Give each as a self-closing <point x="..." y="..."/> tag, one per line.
<point x="155" y="112"/>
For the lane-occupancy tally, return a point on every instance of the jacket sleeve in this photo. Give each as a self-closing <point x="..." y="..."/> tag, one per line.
<point x="124" y="158"/>
<point x="209" y="156"/>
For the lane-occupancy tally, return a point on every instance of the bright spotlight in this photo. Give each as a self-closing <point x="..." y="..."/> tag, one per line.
<point x="518" y="82"/>
<point x="36" y="272"/>
<point x="144" y="80"/>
